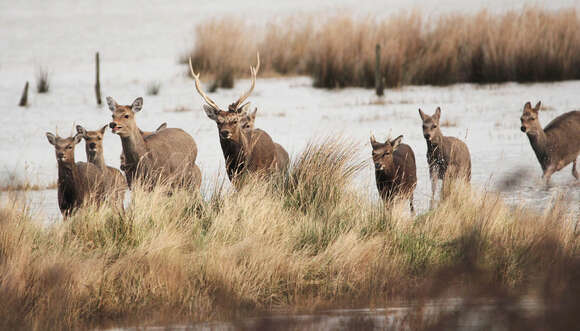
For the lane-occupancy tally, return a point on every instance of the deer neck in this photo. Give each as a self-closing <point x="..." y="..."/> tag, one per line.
<point x="435" y="144"/>
<point x="539" y="144"/>
<point x="67" y="175"/>
<point x="133" y="147"/>
<point x="98" y="159"/>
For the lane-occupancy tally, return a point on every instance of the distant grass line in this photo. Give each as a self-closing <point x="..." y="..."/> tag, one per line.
<point x="530" y="45"/>
<point x="300" y="242"/>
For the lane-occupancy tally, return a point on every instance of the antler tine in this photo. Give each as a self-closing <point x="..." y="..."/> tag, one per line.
<point x="254" y="73"/>
<point x="207" y="99"/>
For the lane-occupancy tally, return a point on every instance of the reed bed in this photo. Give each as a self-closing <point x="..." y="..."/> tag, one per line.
<point x="303" y="241"/>
<point x="528" y="45"/>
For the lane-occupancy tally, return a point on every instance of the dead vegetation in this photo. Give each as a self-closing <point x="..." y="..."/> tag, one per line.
<point x="302" y="242"/>
<point x="529" y="45"/>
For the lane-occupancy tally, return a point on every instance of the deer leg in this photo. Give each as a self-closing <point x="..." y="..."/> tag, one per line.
<point x="434" y="179"/>
<point x="548" y="174"/>
<point x="574" y="170"/>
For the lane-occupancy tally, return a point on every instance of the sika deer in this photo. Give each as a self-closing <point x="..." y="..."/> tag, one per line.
<point x="247" y="123"/>
<point x="167" y="156"/>
<point x="144" y="134"/>
<point x="244" y="150"/>
<point x="557" y="144"/>
<point x="395" y="169"/>
<point x="115" y="184"/>
<point x="78" y="183"/>
<point x="448" y="157"/>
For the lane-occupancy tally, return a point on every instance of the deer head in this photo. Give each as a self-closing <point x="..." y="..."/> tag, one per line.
<point x="93" y="140"/>
<point x="530" y="122"/>
<point x="124" y="116"/>
<point x="228" y="122"/>
<point x="431" y="124"/>
<point x="383" y="152"/>
<point x="248" y="120"/>
<point x="64" y="147"/>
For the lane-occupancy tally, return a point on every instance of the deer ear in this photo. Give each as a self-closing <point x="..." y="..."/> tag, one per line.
<point x="161" y="127"/>
<point x="112" y="104"/>
<point x="244" y="109"/>
<point x="211" y="112"/>
<point x="137" y="105"/>
<point x="103" y="129"/>
<point x="437" y="114"/>
<point x="78" y="138"/>
<point x="396" y="142"/>
<point x="51" y="138"/>
<point x="253" y="114"/>
<point x="373" y="140"/>
<point x="81" y="130"/>
<point x="422" y="114"/>
<point x="528" y="106"/>
<point x="538" y="106"/>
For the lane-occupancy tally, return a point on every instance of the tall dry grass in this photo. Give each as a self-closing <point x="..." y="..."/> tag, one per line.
<point x="529" y="45"/>
<point x="300" y="242"/>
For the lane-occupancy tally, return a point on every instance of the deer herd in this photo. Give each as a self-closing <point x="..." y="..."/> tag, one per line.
<point x="168" y="155"/>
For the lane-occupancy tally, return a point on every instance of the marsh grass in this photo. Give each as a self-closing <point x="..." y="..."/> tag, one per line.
<point x="153" y="88"/>
<point x="42" y="80"/>
<point x="301" y="241"/>
<point x="528" y="45"/>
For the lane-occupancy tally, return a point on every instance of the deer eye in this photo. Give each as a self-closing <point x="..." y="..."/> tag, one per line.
<point x="69" y="147"/>
<point x="99" y="138"/>
<point x="126" y="116"/>
<point x="434" y="126"/>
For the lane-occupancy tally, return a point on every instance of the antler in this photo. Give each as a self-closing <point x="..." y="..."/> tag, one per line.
<point x="254" y="71"/>
<point x="207" y="99"/>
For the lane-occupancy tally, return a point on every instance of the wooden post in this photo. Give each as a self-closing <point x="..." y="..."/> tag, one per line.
<point x="378" y="78"/>
<point x="24" y="98"/>
<point x="98" y="81"/>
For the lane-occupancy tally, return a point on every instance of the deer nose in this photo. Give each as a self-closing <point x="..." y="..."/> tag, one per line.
<point x="427" y="136"/>
<point x="112" y="125"/>
<point x="377" y="166"/>
<point x="523" y="128"/>
<point x="225" y="133"/>
<point x="60" y="155"/>
<point x="92" y="145"/>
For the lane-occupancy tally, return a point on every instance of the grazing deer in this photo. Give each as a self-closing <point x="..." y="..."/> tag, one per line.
<point x="557" y="144"/>
<point x="244" y="150"/>
<point x="168" y="155"/>
<point x="115" y="184"/>
<point x="282" y="156"/>
<point x="78" y="183"/>
<point x="145" y="134"/>
<point x="448" y="157"/>
<point x="395" y="169"/>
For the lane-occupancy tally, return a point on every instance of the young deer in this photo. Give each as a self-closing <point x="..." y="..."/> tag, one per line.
<point x="244" y="150"/>
<point x="78" y="183"/>
<point x="395" y="169"/>
<point x="144" y="134"/>
<point x="557" y="144"/>
<point x="448" y="157"/>
<point x="282" y="156"/>
<point x="114" y="181"/>
<point x="167" y="156"/>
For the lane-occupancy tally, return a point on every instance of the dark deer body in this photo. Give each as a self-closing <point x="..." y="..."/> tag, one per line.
<point x="78" y="183"/>
<point x="558" y="144"/>
<point x="167" y="156"/>
<point x="244" y="150"/>
<point x="448" y="157"/>
<point x="395" y="169"/>
<point x="114" y="181"/>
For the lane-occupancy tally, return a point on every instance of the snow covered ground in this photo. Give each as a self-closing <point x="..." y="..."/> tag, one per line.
<point x="140" y="44"/>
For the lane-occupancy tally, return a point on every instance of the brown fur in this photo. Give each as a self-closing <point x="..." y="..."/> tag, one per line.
<point x="558" y="144"/>
<point x="144" y="134"/>
<point x="448" y="157"/>
<point x="167" y="156"/>
<point x="395" y="169"/>
<point x="114" y="181"/>
<point x="78" y="183"/>
<point x="282" y="156"/>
